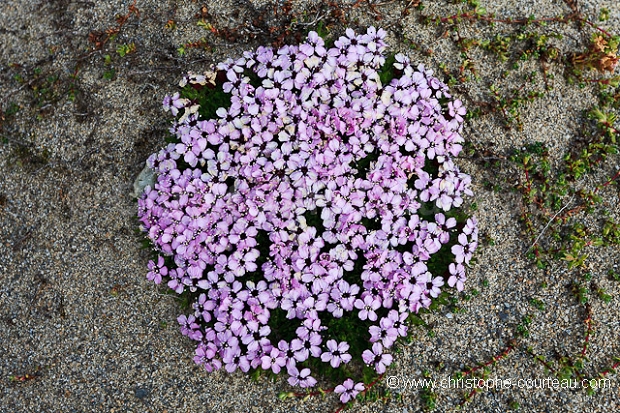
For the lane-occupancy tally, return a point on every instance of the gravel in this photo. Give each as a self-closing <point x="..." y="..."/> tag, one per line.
<point x="76" y="311"/>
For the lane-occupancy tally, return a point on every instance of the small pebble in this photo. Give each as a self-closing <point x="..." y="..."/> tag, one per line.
<point x="141" y="393"/>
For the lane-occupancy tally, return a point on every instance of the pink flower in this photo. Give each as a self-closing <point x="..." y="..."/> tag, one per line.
<point x="457" y="276"/>
<point x="301" y="378"/>
<point x="336" y="354"/>
<point x="274" y="360"/>
<point x="348" y="390"/>
<point x="156" y="271"/>
<point x="377" y="358"/>
<point x="312" y="195"/>
<point x="367" y="307"/>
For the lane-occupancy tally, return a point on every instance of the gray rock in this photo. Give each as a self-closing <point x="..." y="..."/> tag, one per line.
<point x="141" y="393"/>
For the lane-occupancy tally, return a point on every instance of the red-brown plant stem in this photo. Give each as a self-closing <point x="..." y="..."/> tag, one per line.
<point x="589" y="23"/>
<point x="502" y="107"/>
<point x="121" y="20"/>
<point x="469" y="396"/>
<point x="616" y="176"/>
<point x="372" y="383"/>
<point x="530" y="227"/>
<point x="493" y="360"/>
<point x="528" y="221"/>
<point x="542" y="361"/>
<point x="528" y="181"/>
<point x="556" y="250"/>
<point x="610" y="369"/>
<point x="575" y="16"/>
<point x="588" y="334"/>
<point x="473" y="17"/>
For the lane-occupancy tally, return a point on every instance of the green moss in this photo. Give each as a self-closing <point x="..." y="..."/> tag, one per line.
<point x="387" y="71"/>
<point x="210" y="98"/>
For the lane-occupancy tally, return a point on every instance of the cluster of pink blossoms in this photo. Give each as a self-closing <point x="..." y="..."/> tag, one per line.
<point x="320" y="193"/>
